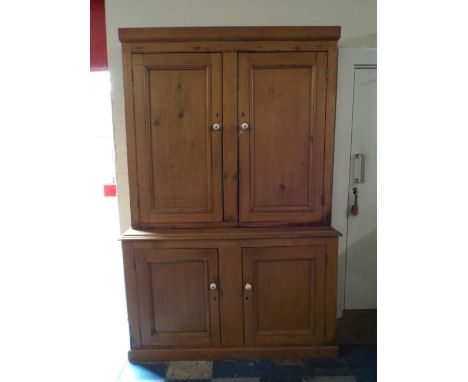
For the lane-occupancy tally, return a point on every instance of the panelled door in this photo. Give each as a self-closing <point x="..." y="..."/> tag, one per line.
<point x="178" y="296"/>
<point x="361" y="254"/>
<point x="284" y="295"/>
<point x="281" y="113"/>
<point x="178" y="101"/>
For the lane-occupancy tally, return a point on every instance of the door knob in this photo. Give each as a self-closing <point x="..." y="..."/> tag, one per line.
<point x="213" y="286"/>
<point x="216" y="126"/>
<point x="244" y="126"/>
<point x="248" y="286"/>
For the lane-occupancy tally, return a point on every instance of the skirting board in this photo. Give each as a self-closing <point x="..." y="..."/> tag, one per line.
<point x="154" y="355"/>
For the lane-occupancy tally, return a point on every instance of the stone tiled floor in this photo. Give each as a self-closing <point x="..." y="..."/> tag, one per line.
<point x="356" y="334"/>
<point x="356" y="363"/>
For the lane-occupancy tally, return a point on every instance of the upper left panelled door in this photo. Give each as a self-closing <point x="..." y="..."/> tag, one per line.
<point x="177" y="99"/>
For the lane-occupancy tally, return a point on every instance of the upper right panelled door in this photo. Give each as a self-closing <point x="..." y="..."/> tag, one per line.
<point x="282" y="99"/>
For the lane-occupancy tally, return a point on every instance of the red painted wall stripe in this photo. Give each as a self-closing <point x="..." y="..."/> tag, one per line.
<point x="98" y="54"/>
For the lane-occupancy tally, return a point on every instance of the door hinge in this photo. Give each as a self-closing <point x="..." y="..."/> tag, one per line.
<point x="323" y="200"/>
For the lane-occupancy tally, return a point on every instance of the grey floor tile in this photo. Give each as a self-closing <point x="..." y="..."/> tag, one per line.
<point x="235" y="380"/>
<point x="189" y="370"/>
<point x="334" y="378"/>
<point x="327" y="378"/>
<point x="289" y="362"/>
<point x="277" y="378"/>
<point x="366" y="378"/>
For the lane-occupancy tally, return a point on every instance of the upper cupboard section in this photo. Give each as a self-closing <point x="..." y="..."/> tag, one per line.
<point x="230" y="126"/>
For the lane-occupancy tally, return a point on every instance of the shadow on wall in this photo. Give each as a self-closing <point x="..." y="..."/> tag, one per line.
<point x="368" y="41"/>
<point x="361" y="272"/>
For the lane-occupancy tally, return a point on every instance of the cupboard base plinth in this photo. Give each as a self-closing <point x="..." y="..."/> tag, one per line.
<point x="296" y="352"/>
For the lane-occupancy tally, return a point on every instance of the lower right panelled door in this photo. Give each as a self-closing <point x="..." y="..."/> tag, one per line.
<point x="284" y="295"/>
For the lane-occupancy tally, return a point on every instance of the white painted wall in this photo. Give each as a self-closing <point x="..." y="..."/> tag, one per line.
<point x="356" y="17"/>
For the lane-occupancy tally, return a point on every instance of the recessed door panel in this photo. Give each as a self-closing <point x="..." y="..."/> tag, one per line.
<point x="284" y="295"/>
<point x="178" y="97"/>
<point x="176" y="304"/>
<point x="282" y="101"/>
<point x="179" y="304"/>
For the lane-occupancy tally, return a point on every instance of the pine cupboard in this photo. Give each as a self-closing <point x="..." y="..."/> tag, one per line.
<point x="230" y="134"/>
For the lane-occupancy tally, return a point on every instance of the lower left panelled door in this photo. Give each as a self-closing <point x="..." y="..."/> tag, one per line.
<point x="178" y="296"/>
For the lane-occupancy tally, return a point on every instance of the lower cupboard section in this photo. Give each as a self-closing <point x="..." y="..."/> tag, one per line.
<point x="231" y="298"/>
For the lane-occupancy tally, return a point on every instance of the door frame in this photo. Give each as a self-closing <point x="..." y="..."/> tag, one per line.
<point x="348" y="60"/>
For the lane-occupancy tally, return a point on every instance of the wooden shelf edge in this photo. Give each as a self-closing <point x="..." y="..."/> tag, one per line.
<point x="230" y="233"/>
<point x="152" y="355"/>
<point x="263" y="33"/>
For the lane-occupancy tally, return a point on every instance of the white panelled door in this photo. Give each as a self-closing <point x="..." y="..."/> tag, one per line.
<point x="361" y="256"/>
<point x="356" y="133"/>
